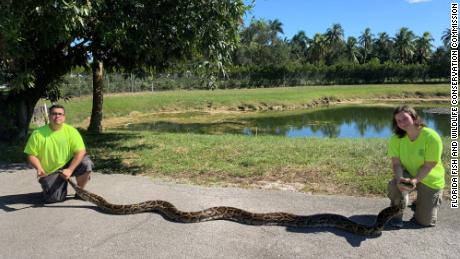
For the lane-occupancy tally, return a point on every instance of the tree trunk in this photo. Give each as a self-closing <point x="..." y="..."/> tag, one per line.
<point x="16" y="110"/>
<point x="95" y="124"/>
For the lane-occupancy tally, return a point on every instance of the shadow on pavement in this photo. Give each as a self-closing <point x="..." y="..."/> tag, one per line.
<point x="31" y="200"/>
<point x="354" y="240"/>
<point x="11" y="168"/>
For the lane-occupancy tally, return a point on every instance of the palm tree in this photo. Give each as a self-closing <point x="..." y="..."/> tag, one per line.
<point x="334" y="35"/>
<point x="352" y="50"/>
<point x="446" y="38"/>
<point x="366" y="43"/>
<point x="317" y="48"/>
<point x="262" y="32"/>
<point x="423" y="48"/>
<point x="248" y="34"/>
<point x="275" y="27"/>
<point x="382" y="47"/>
<point x="404" y="45"/>
<point x="299" y="43"/>
<point x="334" y="41"/>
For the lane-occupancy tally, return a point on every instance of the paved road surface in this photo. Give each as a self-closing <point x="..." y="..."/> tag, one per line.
<point x="75" y="229"/>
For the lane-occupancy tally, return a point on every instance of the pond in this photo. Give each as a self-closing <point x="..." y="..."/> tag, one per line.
<point x="331" y="122"/>
<point x="344" y="122"/>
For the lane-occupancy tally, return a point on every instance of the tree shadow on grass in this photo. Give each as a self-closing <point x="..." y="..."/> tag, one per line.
<point x="105" y="148"/>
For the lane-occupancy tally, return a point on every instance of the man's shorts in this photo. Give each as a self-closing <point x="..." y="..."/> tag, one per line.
<point x="55" y="187"/>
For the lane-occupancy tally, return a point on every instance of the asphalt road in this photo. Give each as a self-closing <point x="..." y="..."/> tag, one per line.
<point x="76" y="229"/>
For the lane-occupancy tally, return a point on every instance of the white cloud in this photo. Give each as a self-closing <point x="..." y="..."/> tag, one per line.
<point x="417" y="1"/>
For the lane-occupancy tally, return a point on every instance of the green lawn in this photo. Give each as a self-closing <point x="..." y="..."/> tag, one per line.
<point x="79" y="109"/>
<point x="334" y="166"/>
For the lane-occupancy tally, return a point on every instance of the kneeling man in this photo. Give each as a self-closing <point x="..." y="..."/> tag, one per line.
<point x="57" y="152"/>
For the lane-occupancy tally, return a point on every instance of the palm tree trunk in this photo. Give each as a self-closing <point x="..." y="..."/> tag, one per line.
<point x="95" y="124"/>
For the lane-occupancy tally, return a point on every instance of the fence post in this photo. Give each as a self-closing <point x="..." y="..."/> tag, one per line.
<point x="45" y="112"/>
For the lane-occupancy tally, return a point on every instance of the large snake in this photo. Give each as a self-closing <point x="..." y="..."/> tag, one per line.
<point x="169" y="211"/>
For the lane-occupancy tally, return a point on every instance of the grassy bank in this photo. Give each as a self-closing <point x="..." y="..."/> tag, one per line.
<point x="334" y="166"/>
<point x="79" y="109"/>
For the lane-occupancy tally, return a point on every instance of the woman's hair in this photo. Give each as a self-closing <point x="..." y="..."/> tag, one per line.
<point x="409" y="110"/>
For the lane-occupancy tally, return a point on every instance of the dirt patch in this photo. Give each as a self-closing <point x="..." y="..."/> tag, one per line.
<point x="136" y="116"/>
<point x="287" y="179"/>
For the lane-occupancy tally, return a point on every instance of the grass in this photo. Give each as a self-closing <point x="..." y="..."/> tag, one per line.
<point x="116" y="105"/>
<point x="333" y="166"/>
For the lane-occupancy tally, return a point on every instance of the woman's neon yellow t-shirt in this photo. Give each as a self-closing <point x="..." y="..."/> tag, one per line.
<point x="413" y="154"/>
<point x="54" y="148"/>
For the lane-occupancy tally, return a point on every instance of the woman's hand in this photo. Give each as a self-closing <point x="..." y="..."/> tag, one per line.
<point x="406" y="184"/>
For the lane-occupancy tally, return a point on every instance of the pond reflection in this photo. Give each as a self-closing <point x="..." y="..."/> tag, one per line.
<point x="342" y="122"/>
<point x="333" y="122"/>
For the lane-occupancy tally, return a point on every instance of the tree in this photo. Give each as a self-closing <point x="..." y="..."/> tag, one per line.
<point x="262" y="34"/>
<point x="440" y="63"/>
<point x="404" y="45"/>
<point x="275" y="27"/>
<point x="352" y="50"/>
<point x="37" y="50"/>
<point x="334" y="42"/>
<point x="317" y="49"/>
<point x="299" y="44"/>
<point x="446" y="36"/>
<point x="383" y="47"/>
<point x="423" y="48"/>
<point x="366" y="43"/>
<point x="44" y="40"/>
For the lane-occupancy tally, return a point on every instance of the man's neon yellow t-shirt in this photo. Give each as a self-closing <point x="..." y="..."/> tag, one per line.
<point x="54" y="148"/>
<point x="413" y="154"/>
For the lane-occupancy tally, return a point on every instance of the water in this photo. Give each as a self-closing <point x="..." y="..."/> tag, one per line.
<point x="342" y="122"/>
<point x="334" y="122"/>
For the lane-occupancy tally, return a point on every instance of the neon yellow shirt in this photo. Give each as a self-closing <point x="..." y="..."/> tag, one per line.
<point x="54" y="148"/>
<point x="413" y="154"/>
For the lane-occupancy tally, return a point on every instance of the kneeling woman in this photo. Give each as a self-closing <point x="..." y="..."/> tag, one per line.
<point x="415" y="152"/>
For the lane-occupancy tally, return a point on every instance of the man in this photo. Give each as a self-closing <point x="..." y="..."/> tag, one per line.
<point x="57" y="152"/>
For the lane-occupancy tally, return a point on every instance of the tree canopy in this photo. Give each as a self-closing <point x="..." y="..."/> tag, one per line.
<point x="332" y="48"/>
<point x="40" y="41"/>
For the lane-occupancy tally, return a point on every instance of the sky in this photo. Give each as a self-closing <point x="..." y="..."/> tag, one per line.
<point x="388" y="16"/>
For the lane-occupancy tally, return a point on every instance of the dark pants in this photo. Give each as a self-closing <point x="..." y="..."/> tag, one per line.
<point x="427" y="204"/>
<point x="55" y="187"/>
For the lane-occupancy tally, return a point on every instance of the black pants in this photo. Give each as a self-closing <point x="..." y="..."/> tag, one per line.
<point x="55" y="187"/>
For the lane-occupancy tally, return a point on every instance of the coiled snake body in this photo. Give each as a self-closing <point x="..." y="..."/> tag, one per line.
<point x="169" y="211"/>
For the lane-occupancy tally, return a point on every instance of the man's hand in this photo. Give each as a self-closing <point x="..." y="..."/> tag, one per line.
<point x="66" y="173"/>
<point x="76" y="160"/>
<point x="35" y="162"/>
<point x="40" y="173"/>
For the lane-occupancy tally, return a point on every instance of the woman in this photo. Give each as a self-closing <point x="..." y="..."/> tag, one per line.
<point x="415" y="152"/>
